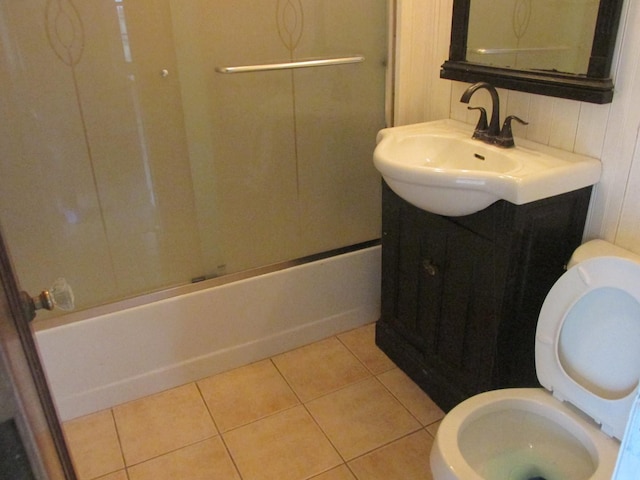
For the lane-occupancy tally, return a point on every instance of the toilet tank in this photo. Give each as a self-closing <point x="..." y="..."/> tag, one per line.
<point x="600" y="248"/>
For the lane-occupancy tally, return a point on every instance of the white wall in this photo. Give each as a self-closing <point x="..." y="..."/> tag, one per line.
<point x="609" y="132"/>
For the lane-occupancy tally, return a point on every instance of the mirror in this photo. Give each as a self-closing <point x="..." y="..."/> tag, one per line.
<point x="560" y="48"/>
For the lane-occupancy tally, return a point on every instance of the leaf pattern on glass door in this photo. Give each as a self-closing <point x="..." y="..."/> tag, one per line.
<point x="64" y="31"/>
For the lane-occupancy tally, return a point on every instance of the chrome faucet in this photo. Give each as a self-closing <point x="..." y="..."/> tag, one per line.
<point x="491" y="133"/>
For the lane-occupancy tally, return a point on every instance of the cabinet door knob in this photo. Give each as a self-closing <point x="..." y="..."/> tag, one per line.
<point x="429" y="267"/>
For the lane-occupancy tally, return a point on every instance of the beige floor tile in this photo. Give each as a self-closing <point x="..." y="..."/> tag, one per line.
<point x="362" y="344"/>
<point x="246" y="394"/>
<point x="340" y="473"/>
<point x="163" y="422"/>
<point x="407" y="458"/>
<point x="121" y="475"/>
<point x="433" y="428"/>
<point x="94" y="445"/>
<point x="285" y="446"/>
<point x="362" y="417"/>
<point x="411" y="396"/>
<point x="320" y="368"/>
<point x="207" y="460"/>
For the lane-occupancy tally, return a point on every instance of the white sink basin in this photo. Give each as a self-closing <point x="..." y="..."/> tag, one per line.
<point x="437" y="167"/>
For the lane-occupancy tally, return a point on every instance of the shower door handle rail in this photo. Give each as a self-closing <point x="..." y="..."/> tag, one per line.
<point x="320" y="62"/>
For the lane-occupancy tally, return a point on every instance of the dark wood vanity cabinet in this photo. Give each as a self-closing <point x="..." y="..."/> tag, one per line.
<point x="461" y="295"/>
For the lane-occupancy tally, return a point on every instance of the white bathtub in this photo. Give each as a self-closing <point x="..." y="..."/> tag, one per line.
<point x="115" y="357"/>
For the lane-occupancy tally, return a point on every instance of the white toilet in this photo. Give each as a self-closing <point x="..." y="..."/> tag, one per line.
<point x="588" y="361"/>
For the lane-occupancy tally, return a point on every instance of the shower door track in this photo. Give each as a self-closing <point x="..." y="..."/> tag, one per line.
<point x="191" y="287"/>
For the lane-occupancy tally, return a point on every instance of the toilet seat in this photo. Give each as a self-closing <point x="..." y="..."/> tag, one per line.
<point x="587" y="340"/>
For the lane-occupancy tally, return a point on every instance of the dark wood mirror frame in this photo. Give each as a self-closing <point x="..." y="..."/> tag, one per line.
<point x="594" y="87"/>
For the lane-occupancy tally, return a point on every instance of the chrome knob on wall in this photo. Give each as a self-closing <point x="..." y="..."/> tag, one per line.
<point x="58" y="295"/>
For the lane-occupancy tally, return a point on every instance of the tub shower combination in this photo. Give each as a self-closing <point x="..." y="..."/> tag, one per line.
<point x="194" y="152"/>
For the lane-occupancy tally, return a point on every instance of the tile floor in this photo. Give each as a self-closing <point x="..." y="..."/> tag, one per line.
<point x="337" y="409"/>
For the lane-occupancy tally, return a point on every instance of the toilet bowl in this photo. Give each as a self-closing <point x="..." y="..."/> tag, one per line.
<point x="588" y="361"/>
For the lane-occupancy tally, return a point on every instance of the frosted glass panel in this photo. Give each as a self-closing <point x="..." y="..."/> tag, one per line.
<point x="129" y="164"/>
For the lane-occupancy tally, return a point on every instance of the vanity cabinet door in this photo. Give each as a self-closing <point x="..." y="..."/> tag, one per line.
<point x="439" y="293"/>
<point x="457" y="308"/>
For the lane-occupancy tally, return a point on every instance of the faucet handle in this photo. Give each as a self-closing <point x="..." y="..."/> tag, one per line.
<point x="505" y="139"/>
<point x="482" y="127"/>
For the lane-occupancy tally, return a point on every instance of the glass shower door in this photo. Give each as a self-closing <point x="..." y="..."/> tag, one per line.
<point x="131" y="164"/>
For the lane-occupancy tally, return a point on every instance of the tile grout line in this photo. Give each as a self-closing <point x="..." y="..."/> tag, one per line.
<point x="127" y="467"/>
<point x="370" y="374"/>
<point x="115" y="426"/>
<point x="300" y="402"/>
<point x="304" y="405"/>
<point x="376" y="375"/>
<point x="222" y="439"/>
<point x="169" y="452"/>
<point x="384" y="445"/>
<point x="395" y="397"/>
<point x="206" y="405"/>
<point x="405" y="407"/>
